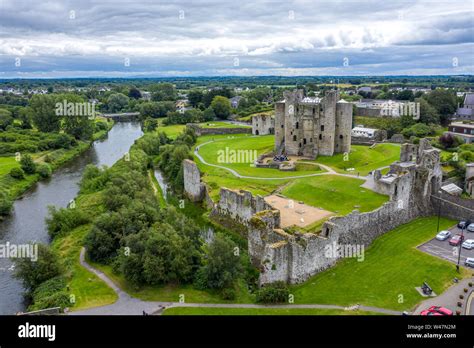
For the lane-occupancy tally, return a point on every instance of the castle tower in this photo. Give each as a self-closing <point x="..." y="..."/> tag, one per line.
<point x="311" y="126"/>
<point x="343" y="126"/>
<point x="328" y="124"/>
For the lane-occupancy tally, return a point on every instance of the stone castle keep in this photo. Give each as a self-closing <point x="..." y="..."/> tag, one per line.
<point x="310" y="126"/>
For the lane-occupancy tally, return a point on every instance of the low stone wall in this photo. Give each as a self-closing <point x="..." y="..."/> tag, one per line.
<point x="199" y="131"/>
<point x="453" y="207"/>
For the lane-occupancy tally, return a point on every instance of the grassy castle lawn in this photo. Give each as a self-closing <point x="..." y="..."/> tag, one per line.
<point x="245" y="149"/>
<point x="363" y="158"/>
<point x="387" y="278"/>
<point x="221" y="124"/>
<point x="260" y="311"/>
<point x="338" y="194"/>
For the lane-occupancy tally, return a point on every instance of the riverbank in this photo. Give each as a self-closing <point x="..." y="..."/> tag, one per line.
<point x="27" y="221"/>
<point x="15" y="188"/>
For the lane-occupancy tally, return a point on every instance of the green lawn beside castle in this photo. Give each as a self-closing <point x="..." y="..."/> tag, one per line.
<point x="363" y="158"/>
<point x="337" y="194"/>
<point x="387" y="277"/>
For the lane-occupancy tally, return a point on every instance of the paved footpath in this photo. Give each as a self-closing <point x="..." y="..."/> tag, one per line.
<point x="127" y="305"/>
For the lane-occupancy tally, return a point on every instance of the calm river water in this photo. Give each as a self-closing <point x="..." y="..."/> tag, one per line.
<point x="27" y="222"/>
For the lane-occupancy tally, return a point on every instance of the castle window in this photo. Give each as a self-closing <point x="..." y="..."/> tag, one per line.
<point x="281" y="126"/>
<point x="322" y="128"/>
<point x="340" y="136"/>
<point x="314" y="111"/>
<point x="310" y="140"/>
<point x="300" y="145"/>
<point x="320" y="136"/>
<point x="304" y="141"/>
<point x="294" y="137"/>
<point x="297" y="125"/>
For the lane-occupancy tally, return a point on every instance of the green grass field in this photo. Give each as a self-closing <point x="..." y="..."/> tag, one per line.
<point x="387" y="277"/>
<point x="221" y="124"/>
<point x="245" y="150"/>
<point x="335" y="193"/>
<point x="88" y="289"/>
<point x="171" y="131"/>
<point x="260" y="311"/>
<point x="363" y="158"/>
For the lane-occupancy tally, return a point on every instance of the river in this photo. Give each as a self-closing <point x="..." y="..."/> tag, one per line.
<point x="27" y="221"/>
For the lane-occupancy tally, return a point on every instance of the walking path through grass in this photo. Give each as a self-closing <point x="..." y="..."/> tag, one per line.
<point x="127" y="305"/>
<point x="328" y="170"/>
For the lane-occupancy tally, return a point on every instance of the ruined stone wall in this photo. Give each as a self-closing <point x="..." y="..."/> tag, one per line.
<point x="263" y="125"/>
<point x="453" y="207"/>
<point x="199" y="131"/>
<point x="193" y="187"/>
<point x="296" y="257"/>
<point x="239" y="205"/>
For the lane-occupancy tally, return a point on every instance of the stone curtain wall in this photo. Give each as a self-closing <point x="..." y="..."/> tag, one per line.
<point x="295" y="257"/>
<point x="453" y="207"/>
<point x="199" y="131"/>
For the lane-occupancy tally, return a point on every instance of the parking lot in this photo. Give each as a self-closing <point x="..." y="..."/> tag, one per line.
<point x="445" y="251"/>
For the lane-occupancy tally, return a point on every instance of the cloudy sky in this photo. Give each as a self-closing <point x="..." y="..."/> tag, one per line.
<point x="239" y="37"/>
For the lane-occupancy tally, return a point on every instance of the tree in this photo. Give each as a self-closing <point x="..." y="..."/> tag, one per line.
<point x="221" y="107"/>
<point x="117" y="102"/>
<point x="164" y="92"/>
<point x="43" y="111"/>
<point x="25" y="115"/>
<point x="80" y="126"/>
<point x="195" y="97"/>
<point x="6" y="118"/>
<point x="419" y="130"/>
<point x="33" y="273"/>
<point x="134" y="93"/>
<point x="209" y="96"/>
<point x="222" y="265"/>
<point x="428" y="114"/>
<point x="444" y="101"/>
<point x="208" y="115"/>
<point x="27" y="164"/>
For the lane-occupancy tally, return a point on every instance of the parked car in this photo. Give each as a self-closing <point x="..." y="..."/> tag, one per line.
<point x="456" y="240"/>
<point x="462" y="224"/>
<point x="470" y="228"/>
<point x="468" y="244"/>
<point x="443" y="235"/>
<point x="437" y="310"/>
<point x="469" y="262"/>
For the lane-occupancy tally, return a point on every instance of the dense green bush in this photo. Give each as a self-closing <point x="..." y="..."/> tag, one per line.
<point x="49" y="294"/>
<point x="34" y="272"/>
<point x="44" y="170"/>
<point x="6" y="203"/>
<point x="273" y="293"/>
<point x="64" y="220"/>
<point x="27" y="164"/>
<point x="17" y="173"/>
